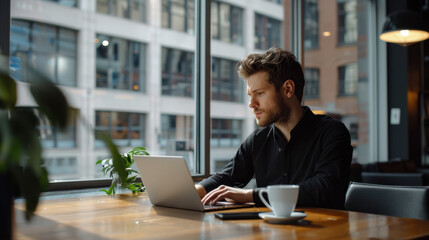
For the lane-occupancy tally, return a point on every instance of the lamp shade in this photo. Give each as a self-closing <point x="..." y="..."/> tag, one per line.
<point x="404" y="27"/>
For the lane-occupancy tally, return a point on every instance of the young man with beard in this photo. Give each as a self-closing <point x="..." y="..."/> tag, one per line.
<point x="294" y="146"/>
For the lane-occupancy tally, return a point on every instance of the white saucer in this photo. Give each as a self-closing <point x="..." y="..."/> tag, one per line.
<point x="294" y="217"/>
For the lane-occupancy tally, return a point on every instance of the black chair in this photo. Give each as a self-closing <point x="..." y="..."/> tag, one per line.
<point x="399" y="201"/>
<point x="398" y="179"/>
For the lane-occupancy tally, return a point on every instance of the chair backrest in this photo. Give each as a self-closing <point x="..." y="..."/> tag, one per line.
<point x="398" y="179"/>
<point x="399" y="201"/>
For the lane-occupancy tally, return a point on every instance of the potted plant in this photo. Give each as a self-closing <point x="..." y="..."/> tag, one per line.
<point x="21" y="164"/>
<point x="112" y="169"/>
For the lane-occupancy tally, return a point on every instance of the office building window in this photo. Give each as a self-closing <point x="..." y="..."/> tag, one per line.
<point x="177" y="72"/>
<point x="311" y="25"/>
<point x="52" y="137"/>
<point x="69" y="3"/>
<point x="347" y="22"/>
<point x="130" y="9"/>
<point x="125" y="128"/>
<point x="177" y="133"/>
<point x="49" y="49"/>
<point x="226" y="85"/>
<point x="311" y="83"/>
<point x="226" y="132"/>
<point x="348" y="78"/>
<point x="120" y="64"/>
<point x="275" y="1"/>
<point x="178" y="15"/>
<point x="267" y="32"/>
<point x="226" y="23"/>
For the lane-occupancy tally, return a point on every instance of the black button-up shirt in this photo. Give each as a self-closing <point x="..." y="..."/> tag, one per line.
<point x="317" y="158"/>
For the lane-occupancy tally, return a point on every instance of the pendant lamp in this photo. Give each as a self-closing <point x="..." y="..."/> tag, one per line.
<point x="404" y="27"/>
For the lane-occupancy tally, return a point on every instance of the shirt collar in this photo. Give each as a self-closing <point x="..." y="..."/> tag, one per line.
<point x="302" y="129"/>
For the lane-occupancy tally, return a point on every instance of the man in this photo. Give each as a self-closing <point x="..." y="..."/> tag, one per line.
<point x="294" y="146"/>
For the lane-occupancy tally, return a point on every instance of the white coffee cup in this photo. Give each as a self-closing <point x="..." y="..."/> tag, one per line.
<point x="282" y="198"/>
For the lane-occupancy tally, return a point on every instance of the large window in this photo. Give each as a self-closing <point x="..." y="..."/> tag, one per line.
<point x="139" y="86"/>
<point x="178" y="15"/>
<point x="49" y="49"/>
<point x="131" y="9"/>
<point x="347" y="80"/>
<point x="311" y="25"/>
<point x="120" y="64"/>
<point x="226" y="23"/>
<point x="177" y="72"/>
<point x="347" y="22"/>
<point x="267" y="32"/>
<point x="226" y="86"/>
<point x="125" y="128"/>
<point x="226" y="133"/>
<point x="311" y="83"/>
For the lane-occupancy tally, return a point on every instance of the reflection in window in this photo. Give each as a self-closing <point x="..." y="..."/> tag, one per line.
<point x="226" y="23"/>
<point x="69" y="3"/>
<point x="120" y="63"/>
<point x="176" y="133"/>
<point x="226" y="86"/>
<point x="131" y="9"/>
<point x="177" y="72"/>
<point x="126" y="129"/>
<point x="267" y="32"/>
<point x="178" y="15"/>
<point x="49" y="49"/>
<point x="311" y="83"/>
<point x="52" y="137"/>
<point x="347" y="22"/>
<point x="311" y="25"/>
<point x="347" y="77"/>
<point x="226" y="132"/>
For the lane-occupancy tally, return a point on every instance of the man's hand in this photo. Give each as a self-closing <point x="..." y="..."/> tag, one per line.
<point x="230" y="193"/>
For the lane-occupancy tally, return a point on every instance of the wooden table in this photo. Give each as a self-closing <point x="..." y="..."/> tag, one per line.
<point x="128" y="216"/>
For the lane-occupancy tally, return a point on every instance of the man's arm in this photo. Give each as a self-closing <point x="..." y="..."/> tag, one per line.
<point x="328" y="186"/>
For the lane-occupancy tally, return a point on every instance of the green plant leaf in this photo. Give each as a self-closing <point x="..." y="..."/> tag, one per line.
<point x="52" y="102"/>
<point x="118" y="164"/>
<point x="7" y="91"/>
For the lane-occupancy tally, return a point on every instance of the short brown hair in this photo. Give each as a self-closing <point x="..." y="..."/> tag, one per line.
<point x="280" y="65"/>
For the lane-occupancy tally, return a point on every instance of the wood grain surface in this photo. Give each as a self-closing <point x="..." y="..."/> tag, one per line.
<point x="129" y="216"/>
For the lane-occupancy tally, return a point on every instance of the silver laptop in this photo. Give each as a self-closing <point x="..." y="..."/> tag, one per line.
<point x="169" y="183"/>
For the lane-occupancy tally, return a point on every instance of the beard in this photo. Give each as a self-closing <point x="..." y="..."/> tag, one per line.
<point x="280" y="113"/>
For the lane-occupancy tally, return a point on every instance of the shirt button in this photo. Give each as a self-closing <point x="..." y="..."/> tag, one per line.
<point x="280" y="149"/>
<point x="285" y="174"/>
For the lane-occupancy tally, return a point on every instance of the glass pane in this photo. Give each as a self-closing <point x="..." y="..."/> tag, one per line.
<point x="341" y="70"/>
<point x="231" y="118"/>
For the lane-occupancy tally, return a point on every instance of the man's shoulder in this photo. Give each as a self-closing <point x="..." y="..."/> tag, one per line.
<point x="260" y="133"/>
<point x="327" y="123"/>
